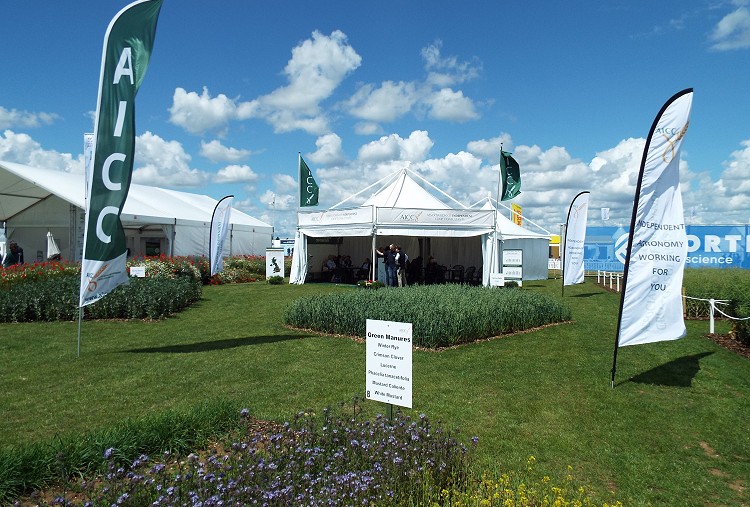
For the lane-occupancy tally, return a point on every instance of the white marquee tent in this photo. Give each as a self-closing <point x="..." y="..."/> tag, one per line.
<point x="404" y="212"/>
<point x="35" y="202"/>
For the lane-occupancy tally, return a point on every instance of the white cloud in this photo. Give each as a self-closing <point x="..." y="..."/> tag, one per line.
<point x="393" y="147"/>
<point x="278" y="202"/>
<point x="386" y="103"/>
<point x="23" y="119"/>
<point x="733" y="31"/>
<point x="317" y="67"/>
<point x="490" y="148"/>
<point x="367" y="128"/>
<point x="447" y="71"/>
<point x="164" y="163"/>
<point x="235" y="174"/>
<point x="200" y="113"/>
<point x="457" y="172"/>
<point x="447" y="104"/>
<point x="433" y="95"/>
<point x="23" y="149"/>
<point x="217" y="152"/>
<point x="735" y="179"/>
<point x="329" y="150"/>
<point x="284" y="182"/>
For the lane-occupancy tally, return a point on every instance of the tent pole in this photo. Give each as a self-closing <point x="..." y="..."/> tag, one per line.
<point x="372" y="263"/>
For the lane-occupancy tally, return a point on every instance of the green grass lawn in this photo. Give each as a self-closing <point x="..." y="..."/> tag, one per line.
<point x="673" y="431"/>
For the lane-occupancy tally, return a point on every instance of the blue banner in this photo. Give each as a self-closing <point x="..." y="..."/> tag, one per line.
<point x="708" y="246"/>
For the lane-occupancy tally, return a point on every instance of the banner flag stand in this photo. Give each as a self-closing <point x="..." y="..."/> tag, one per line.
<point x="651" y="303"/>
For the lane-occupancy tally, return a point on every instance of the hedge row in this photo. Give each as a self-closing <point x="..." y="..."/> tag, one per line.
<point x="57" y="299"/>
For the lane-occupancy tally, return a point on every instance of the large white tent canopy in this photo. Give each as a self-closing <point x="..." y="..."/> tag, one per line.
<point x="36" y="201"/>
<point x="406" y="212"/>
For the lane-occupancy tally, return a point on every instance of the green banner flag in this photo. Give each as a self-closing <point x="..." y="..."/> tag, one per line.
<point x="308" y="189"/>
<point x="510" y="176"/>
<point x="127" y="49"/>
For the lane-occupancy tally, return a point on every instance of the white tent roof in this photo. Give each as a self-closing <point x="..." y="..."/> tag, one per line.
<point x="22" y="186"/>
<point x="404" y="192"/>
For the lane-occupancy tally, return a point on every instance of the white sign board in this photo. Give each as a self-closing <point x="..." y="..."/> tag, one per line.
<point x="389" y="364"/>
<point x="497" y="280"/>
<point x="274" y="262"/>
<point x="512" y="257"/>
<point x="513" y="272"/>
<point x="138" y="271"/>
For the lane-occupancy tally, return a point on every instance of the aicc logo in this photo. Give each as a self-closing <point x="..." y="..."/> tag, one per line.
<point x="671" y="135"/>
<point x="409" y="217"/>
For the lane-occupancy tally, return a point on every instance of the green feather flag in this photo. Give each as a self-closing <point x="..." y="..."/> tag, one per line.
<point x="510" y="176"/>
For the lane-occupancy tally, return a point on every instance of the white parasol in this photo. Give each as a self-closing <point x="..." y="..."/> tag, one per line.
<point x="52" y="249"/>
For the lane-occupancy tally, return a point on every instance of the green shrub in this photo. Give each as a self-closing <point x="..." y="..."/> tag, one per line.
<point x="740" y="327"/>
<point x="441" y="315"/>
<point x="720" y="284"/>
<point x="201" y="263"/>
<point x="57" y="299"/>
<point x="275" y="280"/>
<point x="26" y="273"/>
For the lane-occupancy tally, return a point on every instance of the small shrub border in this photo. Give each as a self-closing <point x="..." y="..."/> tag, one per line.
<point x="57" y="299"/>
<point x="48" y="291"/>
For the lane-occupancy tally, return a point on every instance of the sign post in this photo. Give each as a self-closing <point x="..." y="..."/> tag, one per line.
<point x="389" y="363"/>
<point x="274" y="262"/>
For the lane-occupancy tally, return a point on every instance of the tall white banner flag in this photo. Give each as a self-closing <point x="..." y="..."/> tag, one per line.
<point x="575" y="236"/>
<point x="219" y="229"/>
<point x="651" y="305"/>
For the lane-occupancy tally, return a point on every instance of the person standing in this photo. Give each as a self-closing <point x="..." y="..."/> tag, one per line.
<point x="389" y="259"/>
<point x="401" y="259"/>
<point x="390" y="264"/>
<point x="14" y="255"/>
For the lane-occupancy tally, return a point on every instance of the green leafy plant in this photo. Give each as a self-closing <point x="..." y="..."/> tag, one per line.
<point x="441" y="315"/>
<point x="275" y="280"/>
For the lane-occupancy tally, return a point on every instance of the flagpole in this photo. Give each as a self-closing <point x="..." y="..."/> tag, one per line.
<point x="628" y="250"/>
<point x="299" y="180"/>
<point x="563" y="238"/>
<point x="80" y="316"/>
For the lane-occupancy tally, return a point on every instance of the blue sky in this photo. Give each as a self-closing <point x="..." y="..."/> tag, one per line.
<point x="236" y="88"/>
